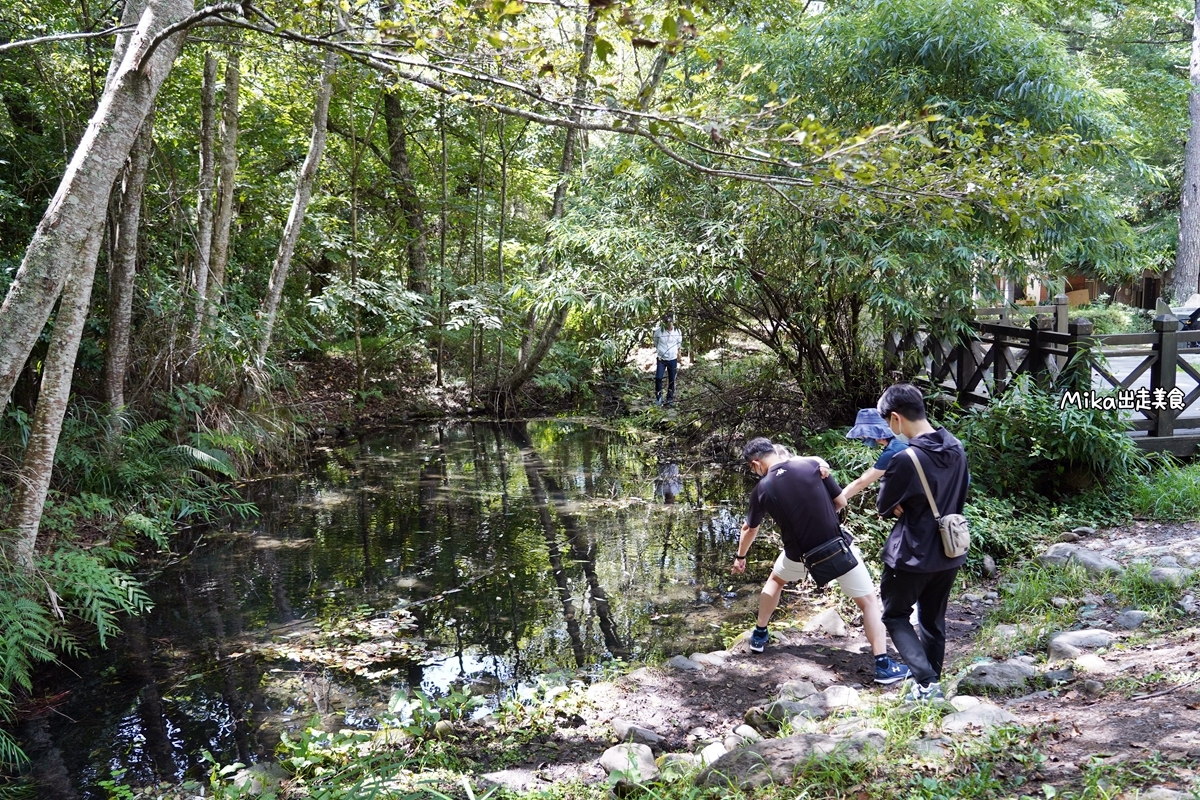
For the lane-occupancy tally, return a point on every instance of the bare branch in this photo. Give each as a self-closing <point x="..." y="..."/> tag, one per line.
<point x="66" y="37"/>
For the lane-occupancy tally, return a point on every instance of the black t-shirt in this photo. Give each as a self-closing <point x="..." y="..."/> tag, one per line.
<point x="801" y="504"/>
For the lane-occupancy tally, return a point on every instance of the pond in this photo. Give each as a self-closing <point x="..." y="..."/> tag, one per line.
<point x="429" y="559"/>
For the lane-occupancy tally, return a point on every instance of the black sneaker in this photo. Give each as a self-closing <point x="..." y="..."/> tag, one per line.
<point x="759" y="640"/>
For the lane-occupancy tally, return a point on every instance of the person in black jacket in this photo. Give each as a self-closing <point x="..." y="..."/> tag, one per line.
<point x="916" y="569"/>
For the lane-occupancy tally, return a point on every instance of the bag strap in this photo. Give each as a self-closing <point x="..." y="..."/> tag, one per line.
<point x="924" y="482"/>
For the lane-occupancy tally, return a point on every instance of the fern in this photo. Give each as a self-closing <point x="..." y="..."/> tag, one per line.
<point x="216" y="460"/>
<point x="92" y="590"/>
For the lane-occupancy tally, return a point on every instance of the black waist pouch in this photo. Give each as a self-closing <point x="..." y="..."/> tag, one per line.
<point x="830" y="561"/>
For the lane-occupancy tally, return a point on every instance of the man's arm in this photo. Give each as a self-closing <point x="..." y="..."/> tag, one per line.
<point x="862" y="482"/>
<point x="894" y="489"/>
<point x="744" y="542"/>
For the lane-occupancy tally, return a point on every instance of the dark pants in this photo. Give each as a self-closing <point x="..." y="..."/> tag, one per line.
<point x="670" y="367"/>
<point x="930" y="591"/>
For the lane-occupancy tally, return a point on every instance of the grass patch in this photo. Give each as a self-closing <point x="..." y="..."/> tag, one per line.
<point x="1170" y="492"/>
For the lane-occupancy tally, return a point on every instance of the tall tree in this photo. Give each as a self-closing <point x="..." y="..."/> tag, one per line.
<point x="124" y="267"/>
<point x="67" y="239"/>
<point x="1185" y="280"/>
<point x="204" y="206"/>
<point x="535" y="344"/>
<point x="304" y="186"/>
<point x="411" y="210"/>
<point x="226" y="188"/>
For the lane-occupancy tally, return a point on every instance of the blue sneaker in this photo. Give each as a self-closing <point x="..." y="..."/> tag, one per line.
<point x="891" y="672"/>
<point x="759" y="640"/>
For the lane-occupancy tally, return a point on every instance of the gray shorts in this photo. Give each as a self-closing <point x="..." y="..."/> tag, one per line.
<point x="855" y="583"/>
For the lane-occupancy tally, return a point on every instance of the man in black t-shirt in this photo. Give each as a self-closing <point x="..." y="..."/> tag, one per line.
<point x="804" y="505"/>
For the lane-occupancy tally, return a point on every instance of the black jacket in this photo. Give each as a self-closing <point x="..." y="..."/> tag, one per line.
<point x="915" y="544"/>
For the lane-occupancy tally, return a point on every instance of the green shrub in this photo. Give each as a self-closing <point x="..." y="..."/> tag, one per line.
<point x="1113" y="317"/>
<point x="1023" y="442"/>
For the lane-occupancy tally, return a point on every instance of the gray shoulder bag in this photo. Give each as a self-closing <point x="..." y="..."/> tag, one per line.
<point x="956" y="539"/>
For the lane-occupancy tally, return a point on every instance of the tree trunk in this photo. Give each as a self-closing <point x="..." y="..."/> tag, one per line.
<point x="33" y="478"/>
<point x="204" y="207"/>
<point x="530" y="355"/>
<point x="219" y="254"/>
<point x="291" y="230"/>
<point x="124" y="266"/>
<point x="406" y="193"/>
<point x="60" y="245"/>
<point x="1185" y="280"/>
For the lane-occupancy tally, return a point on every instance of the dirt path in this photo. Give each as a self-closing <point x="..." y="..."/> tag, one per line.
<point x="1141" y="709"/>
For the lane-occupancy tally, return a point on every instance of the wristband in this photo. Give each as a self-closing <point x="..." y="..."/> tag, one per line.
<point x="739" y="558"/>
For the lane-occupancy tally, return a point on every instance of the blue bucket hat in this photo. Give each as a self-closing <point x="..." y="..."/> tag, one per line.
<point x="870" y="425"/>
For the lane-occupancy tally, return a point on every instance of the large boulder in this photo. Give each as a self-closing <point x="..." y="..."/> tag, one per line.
<point x="996" y="678"/>
<point x="1072" y="644"/>
<point x="1064" y="553"/>
<point x="982" y="717"/>
<point x="1175" y="576"/>
<point x="783" y="760"/>
<point x="629" y="764"/>
<point x="629" y="732"/>
<point x="828" y="621"/>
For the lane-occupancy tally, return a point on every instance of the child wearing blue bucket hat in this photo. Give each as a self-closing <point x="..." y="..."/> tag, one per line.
<point x="872" y="429"/>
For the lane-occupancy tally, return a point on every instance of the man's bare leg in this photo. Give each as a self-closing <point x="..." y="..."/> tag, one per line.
<point x="768" y="601"/>
<point x="872" y="621"/>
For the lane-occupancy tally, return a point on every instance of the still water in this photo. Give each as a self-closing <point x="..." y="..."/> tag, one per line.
<point x="473" y="555"/>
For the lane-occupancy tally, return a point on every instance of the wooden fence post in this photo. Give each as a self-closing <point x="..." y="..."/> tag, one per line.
<point x="1078" y="369"/>
<point x="999" y="364"/>
<point x="1036" y="359"/>
<point x="1162" y="376"/>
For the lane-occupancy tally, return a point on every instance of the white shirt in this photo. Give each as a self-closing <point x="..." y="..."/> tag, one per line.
<point x="667" y="343"/>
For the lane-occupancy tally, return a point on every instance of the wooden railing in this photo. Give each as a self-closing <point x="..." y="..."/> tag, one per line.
<point x="1088" y="369"/>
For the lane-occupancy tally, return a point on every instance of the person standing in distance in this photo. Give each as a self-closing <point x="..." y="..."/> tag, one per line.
<point x="916" y="569"/>
<point x="804" y="505"/>
<point x="667" y="339"/>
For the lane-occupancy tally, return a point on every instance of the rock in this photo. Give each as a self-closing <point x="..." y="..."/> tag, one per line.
<point x="629" y="732"/>
<point x="996" y="678"/>
<point x="1158" y="793"/>
<point x="1192" y="559"/>
<point x="1059" y="602"/>
<point x="827" y="622"/>
<point x="796" y="690"/>
<point x="630" y="764"/>
<point x="1084" y="530"/>
<point x="703" y="658"/>
<point x="982" y="717"/>
<point x="1005" y="631"/>
<point x="1094" y="563"/>
<point x="991" y="595"/>
<point x="1131" y="619"/>
<point x="1187" y="604"/>
<point x="783" y="760"/>
<point x="1056" y="676"/>
<point x="1093" y="688"/>
<point x="733" y="741"/>
<point x="639" y="675"/>
<point x="443" y="729"/>
<point x="971" y="598"/>
<point x="1176" y="576"/>
<point x="841" y="697"/>
<point x="1071" y="644"/>
<point x="719" y="656"/>
<point x="685" y="664"/>
<point x="962" y="702"/>
<point x="1069" y="536"/>
<point x="259" y="779"/>
<point x="712" y="753"/>
<point x="786" y="710"/>
<point x="989" y="566"/>
<point x="1090" y="663"/>
<point x="747" y="733"/>
<point x="931" y="748"/>
<point x="1167" y="561"/>
<point x="674" y="766"/>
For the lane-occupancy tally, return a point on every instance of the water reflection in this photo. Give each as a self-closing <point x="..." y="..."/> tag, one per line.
<point x="518" y="550"/>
